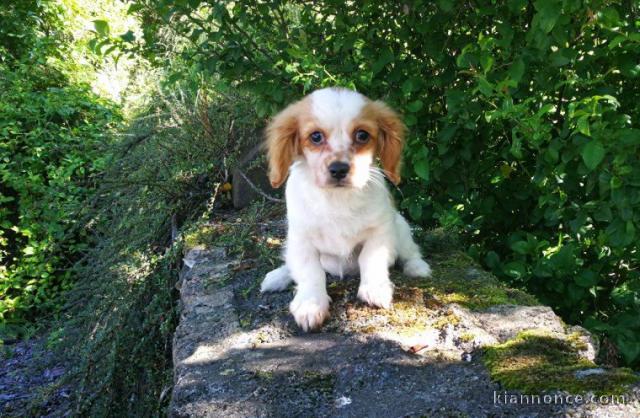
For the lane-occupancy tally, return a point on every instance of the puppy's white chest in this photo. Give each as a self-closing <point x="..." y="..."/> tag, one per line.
<point x="333" y="240"/>
<point x="335" y="222"/>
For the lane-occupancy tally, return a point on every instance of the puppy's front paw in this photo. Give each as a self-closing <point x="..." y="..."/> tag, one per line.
<point x="310" y="309"/>
<point x="376" y="294"/>
<point x="417" y="268"/>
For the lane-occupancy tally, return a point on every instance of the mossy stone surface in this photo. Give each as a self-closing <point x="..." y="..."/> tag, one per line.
<point x="445" y="348"/>
<point x="457" y="279"/>
<point x="535" y="362"/>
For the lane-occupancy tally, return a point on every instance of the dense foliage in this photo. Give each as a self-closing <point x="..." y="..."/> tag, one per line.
<point x="523" y="137"/>
<point x="93" y="206"/>
<point x="52" y="141"/>
<point x="522" y="116"/>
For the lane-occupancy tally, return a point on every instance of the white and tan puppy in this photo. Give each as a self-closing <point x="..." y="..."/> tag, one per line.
<point x="341" y="218"/>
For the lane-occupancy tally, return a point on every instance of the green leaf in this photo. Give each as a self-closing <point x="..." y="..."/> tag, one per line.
<point x="515" y="269"/>
<point x="559" y="60"/>
<point x="583" y="125"/>
<point x="516" y="5"/>
<point x="593" y="153"/>
<point x="102" y="27"/>
<point x="485" y="87"/>
<point x="516" y="145"/>
<point x="135" y="7"/>
<point x="128" y="36"/>
<point x="456" y="100"/>
<point x="445" y="5"/>
<point x="630" y="348"/>
<point x="630" y="232"/>
<point x="548" y="14"/>
<point x="617" y="41"/>
<point x="467" y="57"/>
<point x="587" y="278"/>
<point x="385" y="58"/>
<point x="422" y="168"/>
<point x="487" y="62"/>
<point x="629" y="137"/>
<point x="609" y="17"/>
<point x="415" y="210"/>
<point x="415" y="106"/>
<point x="544" y="110"/>
<point x="603" y="213"/>
<point x="520" y="247"/>
<point x="620" y="233"/>
<point x="517" y="70"/>
<point x="408" y="86"/>
<point x="109" y="50"/>
<point x="410" y="119"/>
<point x="492" y="259"/>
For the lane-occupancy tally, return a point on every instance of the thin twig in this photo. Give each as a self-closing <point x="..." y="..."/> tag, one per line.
<point x="257" y="189"/>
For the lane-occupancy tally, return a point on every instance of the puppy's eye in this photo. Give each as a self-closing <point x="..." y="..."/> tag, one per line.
<point x="362" y="137"/>
<point x="316" y="137"/>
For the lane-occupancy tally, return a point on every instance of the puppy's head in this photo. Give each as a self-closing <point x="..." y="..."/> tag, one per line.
<point x="338" y="133"/>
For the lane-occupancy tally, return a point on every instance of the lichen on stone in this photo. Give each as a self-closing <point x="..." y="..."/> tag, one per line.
<point x="317" y="387"/>
<point x="466" y="337"/>
<point x="535" y="361"/>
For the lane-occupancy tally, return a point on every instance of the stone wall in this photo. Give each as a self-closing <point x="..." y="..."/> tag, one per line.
<point x="458" y="344"/>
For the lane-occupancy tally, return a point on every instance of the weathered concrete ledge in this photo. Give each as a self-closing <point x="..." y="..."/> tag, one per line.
<point x="458" y="344"/>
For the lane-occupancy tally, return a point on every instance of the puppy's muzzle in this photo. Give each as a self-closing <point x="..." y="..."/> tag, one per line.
<point x="338" y="170"/>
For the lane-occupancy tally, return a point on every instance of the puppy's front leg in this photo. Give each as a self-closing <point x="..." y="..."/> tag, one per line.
<point x="310" y="306"/>
<point x="375" y="258"/>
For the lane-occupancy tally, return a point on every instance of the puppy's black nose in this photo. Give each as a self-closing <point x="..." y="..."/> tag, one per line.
<point x="338" y="170"/>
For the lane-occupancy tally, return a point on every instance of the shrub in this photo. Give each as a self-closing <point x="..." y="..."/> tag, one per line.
<point x="522" y="117"/>
<point x="52" y="142"/>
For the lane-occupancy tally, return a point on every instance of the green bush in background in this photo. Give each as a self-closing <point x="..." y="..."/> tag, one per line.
<point x="53" y="136"/>
<point x="522" y="116"/>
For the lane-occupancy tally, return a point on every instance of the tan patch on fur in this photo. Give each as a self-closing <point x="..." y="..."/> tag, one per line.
<point x="283" y="140"/>
<point x="389" y="138"/>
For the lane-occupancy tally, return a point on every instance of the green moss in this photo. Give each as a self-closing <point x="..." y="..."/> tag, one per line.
<point x="309" y="382"/>
<point x="534" y="362"/>
<point x="457" y="279"/>
<point x="263" y="375"/>
<point x="319" y="382"/>
<point x="449" y="318"/>
<point x="202" y="235"/>
<point x="408" y="314"/>
<point x="420" y="304"/>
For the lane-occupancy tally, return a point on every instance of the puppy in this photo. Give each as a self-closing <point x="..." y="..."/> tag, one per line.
<point x="341" y="218"/>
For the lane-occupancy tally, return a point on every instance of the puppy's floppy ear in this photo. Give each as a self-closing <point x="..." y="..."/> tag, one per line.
<point x="283" y="143"/>
<point x="392" y="131"/>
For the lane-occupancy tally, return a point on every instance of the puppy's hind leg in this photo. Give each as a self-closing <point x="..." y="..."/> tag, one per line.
<point x="276" y="280"/>
<point x="408" y="251"/>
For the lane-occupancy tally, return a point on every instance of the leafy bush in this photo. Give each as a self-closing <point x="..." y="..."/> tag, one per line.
<point x="522" y="116"/>
<point x="52" y="141"/>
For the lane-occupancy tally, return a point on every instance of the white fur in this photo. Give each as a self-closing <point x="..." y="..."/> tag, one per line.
<point x="341" y="230"/>
<point x="276" y="280"/>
